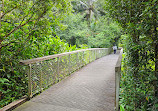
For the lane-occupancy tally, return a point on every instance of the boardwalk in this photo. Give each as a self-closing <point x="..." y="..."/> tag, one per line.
<point x="92" y="88"/>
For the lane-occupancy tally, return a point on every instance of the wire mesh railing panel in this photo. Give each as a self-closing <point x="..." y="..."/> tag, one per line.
<point x="86" y="57"/>
<point x="90" y="56"/>
<point x="101" y="51"/>
<point x="63" y="67"/>
<point x="48" y="73"/>
<point x="82" y="59"/>
<point x="35" y="77"/>
<point x="97" y="53"/>
<point x="93" y="55"/>
<point x="79" y="61"/>
<point x="106" y="52"/>
<point x="47" y="70"/>
<point x="73" y="61"/>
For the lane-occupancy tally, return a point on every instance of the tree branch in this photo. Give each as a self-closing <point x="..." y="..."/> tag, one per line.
<point x="28" y="13"/>
<point x="7" y="22"/>
<point x="5" y="45"/>
<point x="25" y="23"/>
<point x="18" y="27"/>
<point x="8" y="12"/>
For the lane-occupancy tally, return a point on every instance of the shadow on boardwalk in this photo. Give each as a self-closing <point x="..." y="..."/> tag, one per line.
<point x="92" y="88"/>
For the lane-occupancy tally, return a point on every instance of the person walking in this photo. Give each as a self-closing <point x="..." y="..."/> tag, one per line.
<point x="114" y="48"/>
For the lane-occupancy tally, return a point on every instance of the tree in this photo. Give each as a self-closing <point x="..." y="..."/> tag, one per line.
<point x="102" y="32"/>
<point x="27" y="29"/>
<point x="138" y="18"/>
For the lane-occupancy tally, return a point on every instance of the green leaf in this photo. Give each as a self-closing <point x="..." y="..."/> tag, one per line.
<point x="3" y="80"/>
<point x="122" y="107"/>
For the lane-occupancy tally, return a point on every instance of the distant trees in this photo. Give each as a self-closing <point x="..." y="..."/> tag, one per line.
<point x="95" y="30"/>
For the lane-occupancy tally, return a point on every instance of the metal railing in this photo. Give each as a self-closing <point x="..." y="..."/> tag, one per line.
<point x="45" y="71"/>
<point x="117" y="80"/>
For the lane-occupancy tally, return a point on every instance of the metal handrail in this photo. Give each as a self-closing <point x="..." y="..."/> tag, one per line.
<point x="45" y="71"/>
<point x="30" y="61"/>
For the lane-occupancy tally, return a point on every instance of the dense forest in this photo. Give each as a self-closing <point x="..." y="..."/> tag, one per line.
<point x="36" y="28"/>
<point x="139" y="84"/>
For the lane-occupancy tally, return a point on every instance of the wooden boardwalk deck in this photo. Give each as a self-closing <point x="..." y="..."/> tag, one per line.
<point x="92" y="88"/>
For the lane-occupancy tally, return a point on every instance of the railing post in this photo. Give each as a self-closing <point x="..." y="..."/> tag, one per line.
<point x="117" y="86"/>
<point x="83" y="58"/>
<point x="100" y="53"/>
<point x="93" y="57"/>
<point x="29" y="82"/>
<point x="103" y="52"/>
<point x="58" y="67"/>
<point x="77" y="61"/>
<point x="89" y="55"/>
<point x="41" y="78"/>
<point x="95" y="54"/>
<point x="69" y="64"/>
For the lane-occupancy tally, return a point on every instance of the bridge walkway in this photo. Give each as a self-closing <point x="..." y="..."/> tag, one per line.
<point x="92" y="88"/>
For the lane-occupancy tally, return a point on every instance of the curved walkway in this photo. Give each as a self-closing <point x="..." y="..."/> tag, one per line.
<point x="92" y="88"/>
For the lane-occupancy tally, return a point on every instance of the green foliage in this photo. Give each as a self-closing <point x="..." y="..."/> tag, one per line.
<point x="35" y="28"/>
<point x="14" y="84"/>
<point x="101" y="31"/>
<point x="105" y="33"/>
<point x="74" y="33"/>
<point x="122" y="107"/>
<point x="144" y="93"/>
<point x="26" y="32"/>
<point x="139" y="85"/>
